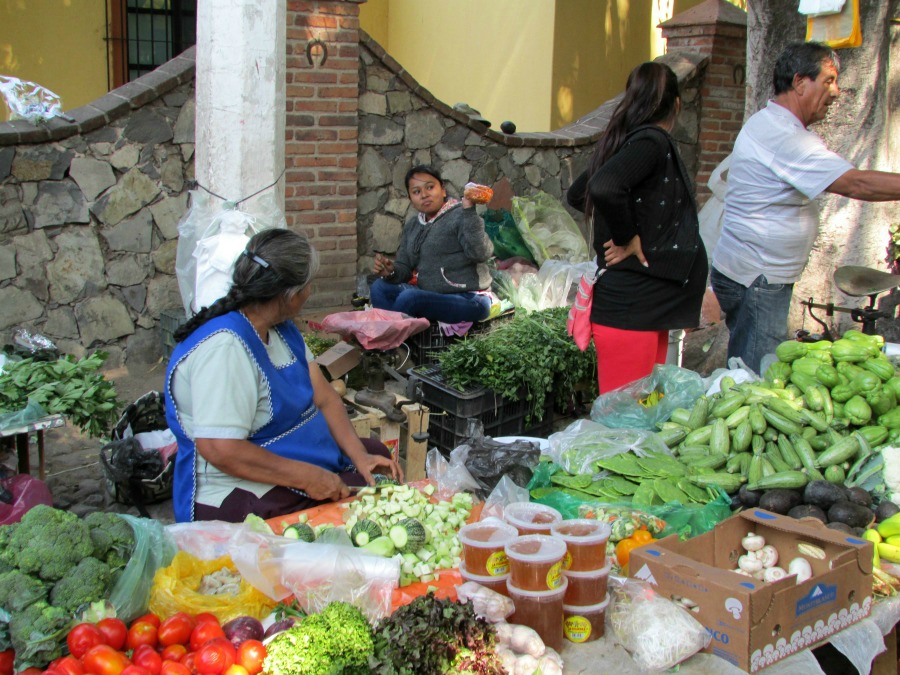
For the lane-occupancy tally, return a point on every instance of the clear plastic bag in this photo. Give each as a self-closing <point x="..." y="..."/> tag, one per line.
<point x="316" y="574"/>
<point x="31" y="413"/>
<point x="554" y="284"/>
<point x="448" y="478"/>
<point x="654" y="630"/>
<point x="506" y="492"/>
<point x="29" y="101"/>
<point x="490" y="605"/>
<point x="210" y="237"/>
<point x="622" y="408"/>
<point x="548" y="230"/>
<point x="154" y="549"/>
<point x="583" y="442"/>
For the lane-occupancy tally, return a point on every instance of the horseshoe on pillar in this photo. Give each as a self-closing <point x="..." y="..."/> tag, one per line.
<point x="316" y="42"/>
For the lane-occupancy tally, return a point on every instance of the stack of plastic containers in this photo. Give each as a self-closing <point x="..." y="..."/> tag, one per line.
<point x="484" y="559"/>
<point x="536" y="584"/>
<point x="586" y="570"/>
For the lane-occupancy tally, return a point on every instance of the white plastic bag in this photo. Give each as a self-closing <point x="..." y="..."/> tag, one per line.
<point x="548" y="230"/>
<point x="713" y="212"/>
<point x="553" y="285"/>
<point x="583" y="442"/>
<point x="210" y="238"/>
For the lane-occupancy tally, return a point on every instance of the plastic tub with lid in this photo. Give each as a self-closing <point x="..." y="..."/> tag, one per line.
<point x="585" y="624"/>
<point x="585" y="543"/>
<point x="586" y="588"/>
<point x="483" y="546"/>
<point x="540" y="610"/>
<point x="535" y="562"/>
<point x="530" y="517"/>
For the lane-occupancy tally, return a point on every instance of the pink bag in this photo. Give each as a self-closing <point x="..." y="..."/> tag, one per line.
<point x="578" y="325"/>
<point x="373" y="328"/>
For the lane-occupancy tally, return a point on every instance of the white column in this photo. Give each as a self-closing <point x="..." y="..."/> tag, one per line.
<point x="240" y="97"/>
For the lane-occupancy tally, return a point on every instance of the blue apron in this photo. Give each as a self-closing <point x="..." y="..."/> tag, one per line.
<point x="296" y="430"/>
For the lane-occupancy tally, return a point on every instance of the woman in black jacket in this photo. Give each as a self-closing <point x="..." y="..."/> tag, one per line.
<point x="653" y="266"/>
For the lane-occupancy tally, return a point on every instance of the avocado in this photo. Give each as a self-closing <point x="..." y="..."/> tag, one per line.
<point x="749" y="498"/>
<point x="840" y="527"/>
<point x="851" y="514"/>
<point x="808" y="511"/>
<point x="885" y="510"/>
<point x="860" y="496"/>
<point x="823" y="494"/>
<point x="780" y="500"/>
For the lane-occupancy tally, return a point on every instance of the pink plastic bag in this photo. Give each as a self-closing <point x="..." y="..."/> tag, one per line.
<point x="27" y="491"/>
<point x="374" y="328"/>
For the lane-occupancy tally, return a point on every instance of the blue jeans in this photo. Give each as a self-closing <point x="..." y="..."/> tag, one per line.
<point x="756" y="316"/>
<point x="446" y="307"/>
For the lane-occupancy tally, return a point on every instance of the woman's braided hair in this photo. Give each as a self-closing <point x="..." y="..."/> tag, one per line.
<point x="275" y="262"/>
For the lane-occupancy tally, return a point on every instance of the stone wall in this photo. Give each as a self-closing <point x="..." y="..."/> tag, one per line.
<point x="89" y="206"/>
<point x="89" y="209"/>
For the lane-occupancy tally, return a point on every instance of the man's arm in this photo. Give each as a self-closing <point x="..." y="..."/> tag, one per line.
<point x="869" y="186"/>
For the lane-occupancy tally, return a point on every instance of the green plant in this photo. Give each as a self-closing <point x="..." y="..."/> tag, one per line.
<point x="529" y="357"/>
<point x="893" y="252"/>
<point x="318" y="344"/>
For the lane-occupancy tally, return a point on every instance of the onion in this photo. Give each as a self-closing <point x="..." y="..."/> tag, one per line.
<point x="243" y="628"/>
<point x="279" y="626"/>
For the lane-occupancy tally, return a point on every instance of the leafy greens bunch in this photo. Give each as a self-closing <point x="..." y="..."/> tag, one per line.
<point x="430" y="636"/>
<point x="530" y="356"/>
<point x="68" y="386"/>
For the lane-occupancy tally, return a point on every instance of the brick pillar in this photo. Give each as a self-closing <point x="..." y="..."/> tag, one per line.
<point x="321" y="139"/>
<point x="718" y="29"/>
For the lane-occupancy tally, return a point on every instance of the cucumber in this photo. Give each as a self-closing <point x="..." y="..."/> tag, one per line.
<point x="839" y="452"/>
<point x="739" y="416"/>
<point x="775" y="459"/>
<point x="672" y="436"/>
<point x="793" y="480"/>
<point x="730" y="482"/>
<point x="727" y="404"/>
<point x="680" y="416"/>
<point x="720" y="440"/>
<point x="754" y="473"/>
<point x="807" y="456"/>
<point x="699" y="413"/>
<point x="788" y="454"/>
<point x="743" y="436"/>
<point x="780" y="422"/>
<point x="757" y="444"/>
<point x="699" y="436"/>
<point x="757" y="421"/>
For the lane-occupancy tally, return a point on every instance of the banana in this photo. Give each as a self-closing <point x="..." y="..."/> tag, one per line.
<point x="889" y="552"/>
<point x="889" y="527"/>
<point x="873" y="536"/>
<point x="893" y="540"/>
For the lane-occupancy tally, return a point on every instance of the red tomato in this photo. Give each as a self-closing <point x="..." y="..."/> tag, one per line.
<point x="174" y="668"/>
<point x="141" y="633"/>
<point x="176" y="630"/>
<point x="6" y="662"/>
<point x="204" y="617"/>
<point x="82" y="637"/>
<point x="215" y="657"/>
<point x="251" y="655"/>
<point x="104" y="660"/>
<point x="149" y="617"/>
<point x="173" y="653"/>
<point x="67" y="665"/>
<point x="135" y="670"/>
<point x="189" y="661"/>
<point x="31" y="671"/>
<point x="114" y="632"/>
<point x="204" y="632"/>
<point x="147" y="657"/>
<point x="236" y="669"/>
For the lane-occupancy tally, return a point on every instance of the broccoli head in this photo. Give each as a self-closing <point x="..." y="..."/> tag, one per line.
<point x="339" y="639"/>
<point x="38" y="634"/>
<point x="87" y="582"/>
<point x="49" y="542"/>
<point x="7" y="560"/>
<point x="18" y="590"/>
<point x="112" y="536"/>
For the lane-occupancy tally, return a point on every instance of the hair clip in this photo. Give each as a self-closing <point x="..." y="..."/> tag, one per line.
<point x="255" y="258"/>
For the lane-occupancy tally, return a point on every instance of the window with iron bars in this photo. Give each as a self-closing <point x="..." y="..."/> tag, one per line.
<point x="145" y="34"/>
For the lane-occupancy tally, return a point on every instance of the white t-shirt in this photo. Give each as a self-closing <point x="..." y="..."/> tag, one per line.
<point x="222" y="394"/>
<point x="777" y="168"/>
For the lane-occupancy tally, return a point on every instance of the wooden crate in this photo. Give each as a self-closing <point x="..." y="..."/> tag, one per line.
<point x="397" y="436"/>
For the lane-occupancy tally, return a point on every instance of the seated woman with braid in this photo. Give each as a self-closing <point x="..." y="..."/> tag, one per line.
<point x="260" y="431"/>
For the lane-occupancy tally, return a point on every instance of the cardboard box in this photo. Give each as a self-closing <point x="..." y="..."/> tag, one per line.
<point x="340" y="359"/>
<point x="753" y="624"/>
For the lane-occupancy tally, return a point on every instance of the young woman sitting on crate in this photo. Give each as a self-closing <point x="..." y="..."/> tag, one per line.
<point x="260" y="431"/>
<point x="446" y="244"/>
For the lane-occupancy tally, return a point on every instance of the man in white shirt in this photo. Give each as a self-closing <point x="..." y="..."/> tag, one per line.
<point x="777" y="168"/>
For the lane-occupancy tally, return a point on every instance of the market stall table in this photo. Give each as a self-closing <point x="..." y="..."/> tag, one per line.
<point x="21" y="436"/>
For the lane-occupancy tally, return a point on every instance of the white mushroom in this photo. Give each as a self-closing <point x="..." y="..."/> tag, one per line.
<point x="749" y="564"/>
<point x="773" y="574"/>
<point x="753" y="542"/>
<point x="767" y="555"/>
<point x="800" y="567"/>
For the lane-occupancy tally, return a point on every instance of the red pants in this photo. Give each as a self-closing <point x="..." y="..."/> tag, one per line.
<point x="624" y="356"/>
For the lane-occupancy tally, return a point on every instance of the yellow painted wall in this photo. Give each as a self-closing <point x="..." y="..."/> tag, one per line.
<point x="57" y="43"/>
<point x="497" y="56"/>
<point x="541" y="63"/>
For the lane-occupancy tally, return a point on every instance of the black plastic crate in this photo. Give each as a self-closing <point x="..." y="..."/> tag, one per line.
<point x="169" y="321"/>
<point x="451" y="409"/>
<point x="424" y="346"/>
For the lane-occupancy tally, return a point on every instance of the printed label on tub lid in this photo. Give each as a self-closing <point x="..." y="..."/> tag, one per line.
<point x="577" y="629"/>
<point x="497" y="564"/>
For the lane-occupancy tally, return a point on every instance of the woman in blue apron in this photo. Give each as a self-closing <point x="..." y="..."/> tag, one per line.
<point x="259" y="431"/>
